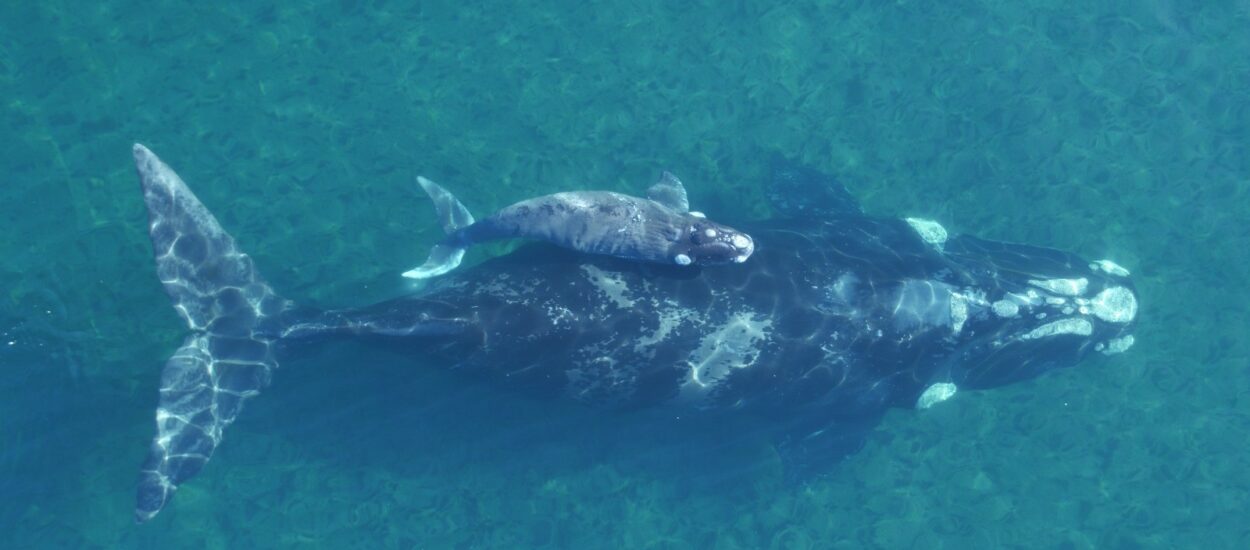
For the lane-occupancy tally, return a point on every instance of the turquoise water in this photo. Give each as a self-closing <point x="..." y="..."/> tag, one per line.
<point x="1120" y="131"/>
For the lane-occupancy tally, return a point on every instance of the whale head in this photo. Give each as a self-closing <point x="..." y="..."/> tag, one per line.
<point x="1030" y="310"/>
<point x="705" y="242"/>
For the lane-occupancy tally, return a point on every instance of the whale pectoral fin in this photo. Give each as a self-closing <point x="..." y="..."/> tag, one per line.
<point x="795" y="190"/>
<point x="807" y="454"/>
<point x="670" y="192"/>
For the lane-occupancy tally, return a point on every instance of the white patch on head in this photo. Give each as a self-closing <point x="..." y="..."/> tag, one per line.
<point x="959" y="313"/>
<point x="740" y="241"/>
<point x="930" y="231"/>
<point x="1119" y="345"/>
<point x="959" y="304"/>
<point x="1079" y="327"/>
<point x="733" y="345"/>
<point x="1109" y="267"/>
<point x="1006" y="308"/>
<point x="1064" y="287"/>
<point x="741" y="259"/>
<point x="1114" y="305"/>
<point x="935" y="394"/>
<point x="611" y="285"/>
<point x="697" y="214"/>
<point x="709" y="232"/>
<point x="682" y="259"/>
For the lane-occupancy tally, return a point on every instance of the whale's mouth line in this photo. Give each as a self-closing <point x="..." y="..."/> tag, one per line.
<point x="728" y="248"/>
<point x="717" y="254"/>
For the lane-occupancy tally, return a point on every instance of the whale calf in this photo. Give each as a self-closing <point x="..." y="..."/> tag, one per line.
<point x="659" y="229"/>
<point x="840" y="317"/>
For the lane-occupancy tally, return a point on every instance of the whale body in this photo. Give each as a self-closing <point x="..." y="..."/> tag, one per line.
<point x="838" y="317"/>
<point x="658" y="229"/>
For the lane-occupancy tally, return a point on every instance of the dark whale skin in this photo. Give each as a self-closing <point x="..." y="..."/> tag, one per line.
<point x="838" y="317"/>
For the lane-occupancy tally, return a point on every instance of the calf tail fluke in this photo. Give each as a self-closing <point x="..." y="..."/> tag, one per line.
<point x="233" y="316"/>
<point x="453" y="216"/>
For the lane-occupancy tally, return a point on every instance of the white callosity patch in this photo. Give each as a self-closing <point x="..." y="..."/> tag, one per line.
<point x="611" y="285"/>
<point x="1118" y="345"/>
<point x="607" y="372"/>
<point x="935" y="394"/>
<point x="1029" y="298"/>
<point x="1078" y="326"/>
<point x="1005" y="308"/>
<point x="961" y="304"/>
<point x="1063" y="287"/>
<point x="1114" y="305"/>
<point x="930" y="231"/>
<point x="1109" y="267"/>
<point x="959" y="313"/>
<point x="734" y="345"/>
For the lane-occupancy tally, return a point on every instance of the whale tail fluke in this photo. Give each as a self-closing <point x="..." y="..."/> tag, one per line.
<point x="234" y="317"/>
<point x="453" y="216"/>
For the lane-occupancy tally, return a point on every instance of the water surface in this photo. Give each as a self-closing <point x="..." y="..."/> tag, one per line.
<point x="1117" y="131"/>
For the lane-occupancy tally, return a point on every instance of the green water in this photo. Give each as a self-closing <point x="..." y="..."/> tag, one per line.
<point x="1120" y="131"/>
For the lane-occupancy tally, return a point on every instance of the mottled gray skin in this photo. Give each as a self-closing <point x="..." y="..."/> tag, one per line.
<point x="658" y="229"/>
<point x="613" y="224"/>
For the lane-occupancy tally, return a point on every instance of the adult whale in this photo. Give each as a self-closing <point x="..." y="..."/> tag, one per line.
<point x="838" y="317"/>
